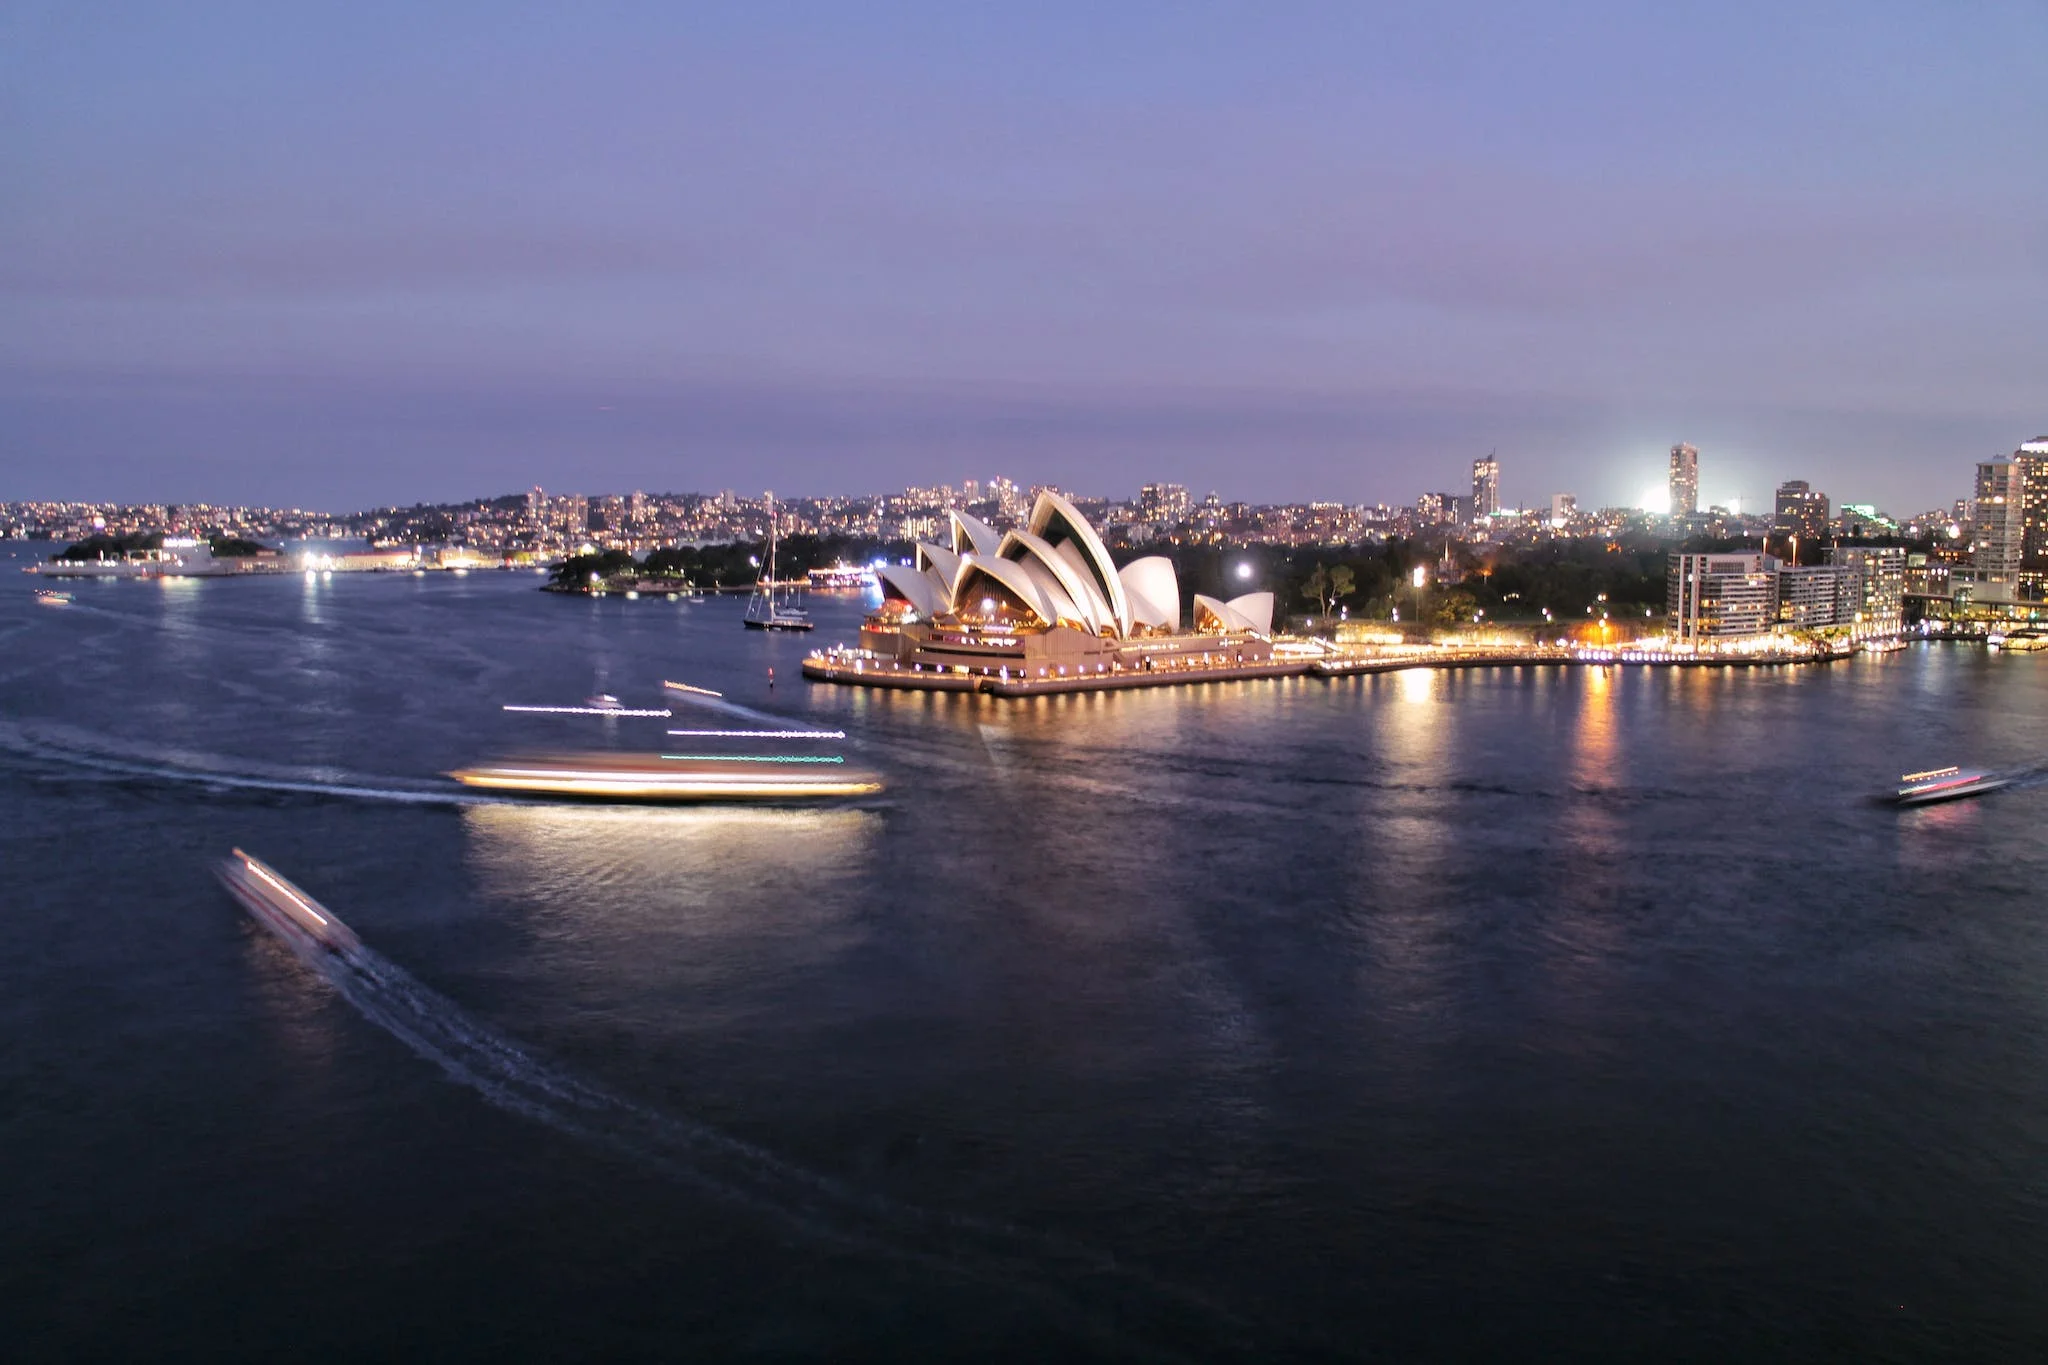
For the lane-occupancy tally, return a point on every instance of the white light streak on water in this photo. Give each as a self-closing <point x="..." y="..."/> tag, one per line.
<point x="590" y="711"/>
<point x="760" y="734"/>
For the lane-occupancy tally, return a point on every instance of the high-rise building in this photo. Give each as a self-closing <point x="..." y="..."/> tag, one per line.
<point x="2032" y="459"/>
<point x="1810" y="598"/>
<point x="1871" y="597"/>
<point x="1163" y="504"/>
<point x="1008" y="498"/>
<point x="1685" y="480"/>
<point x="1802" y="512"/>
<point x="1437" y="509"/>
<point x="1563" y="507"/>
<point x="1998" y="534"/>
<point x="1485" y="488"/>
<point x="1714" y="597"/>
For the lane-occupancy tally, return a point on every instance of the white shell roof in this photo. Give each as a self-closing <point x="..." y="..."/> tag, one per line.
<point x="1153" y="589"/>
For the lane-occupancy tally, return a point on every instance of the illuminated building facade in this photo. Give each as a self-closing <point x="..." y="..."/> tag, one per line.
<point x="1716" y="597"/>
<point x="1685" y="480"/>
<point x="1163" y="504"/>
<point x="2032" y="461"/>
<point x="1998" y="539"/>
<point x="1485" y="488"/>
<point x="1871" y="593"/>
<point x="1046" y="599"/>
<point x="1809" y="598"/>
<point x="1802" y="511"/>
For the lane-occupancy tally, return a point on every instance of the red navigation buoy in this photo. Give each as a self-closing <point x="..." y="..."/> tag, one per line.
<point x="771" y="677"/>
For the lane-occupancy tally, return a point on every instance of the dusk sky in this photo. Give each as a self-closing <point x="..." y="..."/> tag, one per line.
<point x="337" y="256"/>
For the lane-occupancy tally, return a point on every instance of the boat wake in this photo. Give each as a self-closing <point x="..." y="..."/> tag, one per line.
<point x="71" y="753"/>
<point x="1125" y="1310"/>
<point x="711" y="701"/>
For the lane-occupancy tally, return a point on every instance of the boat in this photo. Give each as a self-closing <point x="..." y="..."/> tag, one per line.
<point x="765" y="609"/>
<point x="50" y="598"/>
<point x="664" y="777"/>
<point x="277" y="904"/>
<point x="1946" y="784"/>
<point x="604" y="701"/>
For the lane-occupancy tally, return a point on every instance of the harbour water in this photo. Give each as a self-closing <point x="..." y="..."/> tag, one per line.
<point x="1507" y="1014"/>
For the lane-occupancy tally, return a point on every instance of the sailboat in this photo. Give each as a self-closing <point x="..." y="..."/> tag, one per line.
<point x="765" y="611"/>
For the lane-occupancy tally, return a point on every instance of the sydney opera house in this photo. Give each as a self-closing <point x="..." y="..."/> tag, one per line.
<point x="1046" y="601"/>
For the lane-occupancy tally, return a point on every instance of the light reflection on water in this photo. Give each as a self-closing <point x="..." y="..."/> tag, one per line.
<point x="678" y="880"/>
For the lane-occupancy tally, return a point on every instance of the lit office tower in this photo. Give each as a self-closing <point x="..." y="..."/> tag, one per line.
<point x="1685" y="480"/>
<point x="1485" y="488"/>
<point x="1163" y="504"/>
<point x="1802" y="512"/>
<point x="1999" y="536"/>
<point x="2032" y="459"/>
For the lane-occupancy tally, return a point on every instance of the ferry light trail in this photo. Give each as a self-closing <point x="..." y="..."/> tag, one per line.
<point x="250" y="863"/>
<point x="761" y="734"/>
<point x="590" y="711"/>
<point x="753" y="758"/>
<point x="685" y="687"/>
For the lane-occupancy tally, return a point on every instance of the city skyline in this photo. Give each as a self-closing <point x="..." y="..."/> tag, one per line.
<point x="343" y="256"/>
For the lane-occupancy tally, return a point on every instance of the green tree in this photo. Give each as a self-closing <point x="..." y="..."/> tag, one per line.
<point x="1329" y="584"/>
<point x="1455" y="608"/>
<point x="578" y="572"/>
<point x="1317" y="588"/>
<point x="1342" y="582"/>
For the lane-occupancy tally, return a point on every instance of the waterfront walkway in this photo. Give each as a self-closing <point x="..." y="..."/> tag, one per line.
<point x="859" y="669"/>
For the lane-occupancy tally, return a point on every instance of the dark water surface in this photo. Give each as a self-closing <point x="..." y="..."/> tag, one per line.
<point x="1501" y="1015"/>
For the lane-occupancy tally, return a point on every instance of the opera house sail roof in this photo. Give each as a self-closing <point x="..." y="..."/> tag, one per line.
<point x="1055" y="571"/>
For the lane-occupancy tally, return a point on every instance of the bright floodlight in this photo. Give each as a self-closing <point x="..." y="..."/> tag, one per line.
<point x="1244" y="571"/>
<point x="1657" y="500"/>
<point x="1421" y="575"/>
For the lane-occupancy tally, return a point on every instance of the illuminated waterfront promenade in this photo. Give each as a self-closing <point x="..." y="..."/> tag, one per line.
<point x="858" y="668"/>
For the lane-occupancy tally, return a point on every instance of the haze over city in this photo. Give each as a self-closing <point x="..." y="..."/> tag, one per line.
<point x="343" y="256"/>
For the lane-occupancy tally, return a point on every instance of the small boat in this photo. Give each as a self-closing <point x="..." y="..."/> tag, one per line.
<point x="50" y="598"/>
<point x="604" y="701"/>
<point x="777" y="618"/>
<point x="766" y="610"/>
<point x="280" y="906"/>
<point x="1946" y="784"/>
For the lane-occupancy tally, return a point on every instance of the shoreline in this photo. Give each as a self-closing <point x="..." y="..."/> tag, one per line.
<point x="849" y="669"/>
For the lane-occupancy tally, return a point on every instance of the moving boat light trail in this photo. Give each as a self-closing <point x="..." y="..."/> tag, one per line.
<point x="1134" y="1312"/>
<point x="591" y="711"/>
<point x="760" y="734"/>
<point x="755" y="758"/>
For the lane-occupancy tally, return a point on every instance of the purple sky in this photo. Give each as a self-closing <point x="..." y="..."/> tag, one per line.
<point x="345" y="255"/>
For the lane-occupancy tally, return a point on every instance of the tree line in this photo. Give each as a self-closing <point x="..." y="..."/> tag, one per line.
<point x="731" y="564"/>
